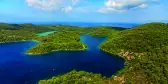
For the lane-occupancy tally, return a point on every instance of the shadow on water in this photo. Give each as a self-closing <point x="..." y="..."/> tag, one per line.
<point x="18" y="68"/>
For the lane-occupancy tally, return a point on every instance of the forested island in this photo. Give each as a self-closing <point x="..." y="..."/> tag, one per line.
<point x="144" y="47"/>
<point x="58" y="41"/>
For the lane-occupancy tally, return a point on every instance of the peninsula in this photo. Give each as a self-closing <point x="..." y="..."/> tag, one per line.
<point x="58" y="41"/>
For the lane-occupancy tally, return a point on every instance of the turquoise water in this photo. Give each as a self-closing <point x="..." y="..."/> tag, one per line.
<point x="18" y="68"/>
<point x="45" y="33"/>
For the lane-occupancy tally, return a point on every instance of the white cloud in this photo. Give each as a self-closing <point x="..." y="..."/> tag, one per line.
<point x="52" y="5"/>
<point x="74" y="2"/>
<point x="143" y="6"/>
<point x="107" y="10"/>
<point x="123" y="5"/>
<point x="67" y="9"/>
<point x="48" y="5"/>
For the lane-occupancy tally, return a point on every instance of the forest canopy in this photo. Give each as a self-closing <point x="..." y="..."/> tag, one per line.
<point x="58" y="41"/>
<point x="145" y="48"/>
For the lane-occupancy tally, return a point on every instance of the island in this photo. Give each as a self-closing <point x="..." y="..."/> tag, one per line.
<point x="58" y="41"/>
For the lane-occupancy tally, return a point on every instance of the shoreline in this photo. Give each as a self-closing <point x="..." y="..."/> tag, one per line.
<point x="70" y="50"/>
<point x="14" y="41"/>
<point x="20" y="41"/>
<point x="111" y="53"/>
<point x="45" y="33"/>
<point x="73" y="50"/>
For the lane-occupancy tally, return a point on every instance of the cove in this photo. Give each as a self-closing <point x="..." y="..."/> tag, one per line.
<point x="18" y="68"/>
<point x="45" y="33"/>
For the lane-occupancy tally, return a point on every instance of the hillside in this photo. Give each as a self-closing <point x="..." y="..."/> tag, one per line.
<point x="20" y="32"/>
<point x="142" y="38"/>
<point x="25" y="27"/>
<point x="80" y="77"/>
<point x="16" y="35"/>
<point x="145" y="49"/>
<point x="102" y="31"/>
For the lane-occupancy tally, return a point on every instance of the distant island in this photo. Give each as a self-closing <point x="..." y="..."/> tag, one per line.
<point x="144" y="47"/>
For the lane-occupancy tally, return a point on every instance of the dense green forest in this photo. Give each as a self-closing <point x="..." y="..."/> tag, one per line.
<point x="15" y="35"/>
<point x="20" y="32"/>
<point x="102" y="31"/>
<point x="75" y="77"/>
<point x="25" y="27"/>
<point x="139" y="39"/>
<point x="145" y="49"/>
<point x="69" y="41"/>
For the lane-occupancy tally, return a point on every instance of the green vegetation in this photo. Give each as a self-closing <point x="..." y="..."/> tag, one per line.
<point x="59" y="41"/>
<point x="145" y="49"/>
<point x="20" y="32"/>
<point x="139" y="39"/>
<point x="28" y="31"/>
<point x="102" y="31"/>
<point x="25" y="27"/>
<point x="65" y="28"/>
<point x="15" y="35"/>
<point x="75" y="77"/>
<point x="35" y="28"/>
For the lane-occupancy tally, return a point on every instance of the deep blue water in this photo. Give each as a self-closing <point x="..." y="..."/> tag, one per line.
<point x="18" y="68"/>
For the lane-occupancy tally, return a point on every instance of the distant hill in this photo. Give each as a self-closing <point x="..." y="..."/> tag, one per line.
<point x="138" y="38"/>
<point x="27" y="27"/>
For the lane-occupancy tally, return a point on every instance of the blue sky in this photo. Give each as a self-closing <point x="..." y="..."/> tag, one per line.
<point x="133" y="11"/>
